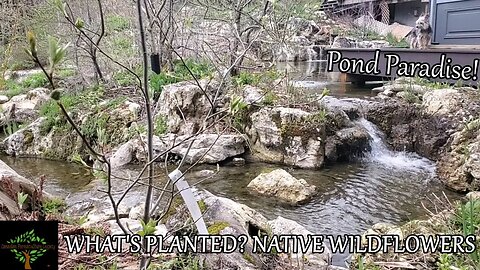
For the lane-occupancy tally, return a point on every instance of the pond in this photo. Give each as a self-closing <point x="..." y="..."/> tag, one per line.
<point x="383" y="186"/>
<point x="313" y="78"/>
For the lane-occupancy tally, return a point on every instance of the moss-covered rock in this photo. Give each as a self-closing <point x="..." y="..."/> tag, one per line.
<point x="287" y="135"/>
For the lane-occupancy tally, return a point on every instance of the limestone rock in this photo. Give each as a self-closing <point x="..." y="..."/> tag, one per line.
<point x="3" y="99"/>
<point x="459" y="169"/>
<point x="206" y="148"/>
<point x="23" y="108"/>
<point x="474" y="195"/>
<point x="308" y="260"/>
<point x="347" y="143"/>
<point x="252" y="95"/>
<point x="224" y="146"/>
<point x="237" y="219"/>
<point x="442" y="101"/>
<point x="283" y="186"/>
<point x="287" y="135"/>
<point x="185" y="105"/>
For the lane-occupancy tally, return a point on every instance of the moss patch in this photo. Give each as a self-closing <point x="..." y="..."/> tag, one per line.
<point x="176" y="203"/>
<point x="248" y="257"/>
<point x="202" y="206"/>
<point x="217" y="227"/>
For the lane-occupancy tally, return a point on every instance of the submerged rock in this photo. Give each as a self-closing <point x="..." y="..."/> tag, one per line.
<point x="283" y="186"/>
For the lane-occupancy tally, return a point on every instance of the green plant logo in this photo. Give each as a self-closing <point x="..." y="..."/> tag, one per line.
<point x="28" y="247"/>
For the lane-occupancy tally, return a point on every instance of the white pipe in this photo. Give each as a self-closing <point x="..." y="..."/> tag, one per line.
<point x="189" y="199"/>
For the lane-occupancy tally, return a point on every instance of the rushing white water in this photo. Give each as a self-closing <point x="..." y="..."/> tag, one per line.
<point x="380" y="154"/>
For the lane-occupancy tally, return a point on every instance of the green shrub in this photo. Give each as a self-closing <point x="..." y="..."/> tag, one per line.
<point x="256" y="79"/>
<point x="198" y="68"/>
<point x="394" y="42"/>
<point x="246" y="78"/>
<point x="157" y="81"/>
<point x="53" y="115"/>
<point x="270" y="98"/>
<point x="35" y="80"/>
<point x="65" y="73"/>
<point x="53" y="206"/>
<point x="12" y="89"/>
<point x="180" y="73"/>
<point x="95" y="124"/>
<point x="117" y="23"/>
<point x="160" y="126"/>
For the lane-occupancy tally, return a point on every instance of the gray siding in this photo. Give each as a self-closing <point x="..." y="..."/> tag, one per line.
<point x="404" y="12"/>
<point x="456" y="22"/>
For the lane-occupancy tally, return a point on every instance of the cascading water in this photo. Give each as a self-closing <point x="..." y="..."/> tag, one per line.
<point x="380" y="154"/>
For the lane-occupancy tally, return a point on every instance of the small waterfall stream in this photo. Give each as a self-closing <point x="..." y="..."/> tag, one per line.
<point x="380" y="154"/>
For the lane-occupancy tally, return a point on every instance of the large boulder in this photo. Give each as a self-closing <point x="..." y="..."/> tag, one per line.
<point x="347" y="143"/>
<point x="11" y="183"/>
<point x="459" y="168"/>
<point x="287" y="135"/>
<point x="408" y="128"/>
<point x="308" y="260"/>
<point x="186" y="105"/>
<point x="226" y="217"/>
<point x="301" y="139"/>
<point x="60" y="142"/>
<point x="206" y="148"/>
<point x="444" y="127"/>
<point x="30" y="142"/>
<point x="352" y="107"/>
<point x="282" y="186"/>
<point x="23" y="108"/>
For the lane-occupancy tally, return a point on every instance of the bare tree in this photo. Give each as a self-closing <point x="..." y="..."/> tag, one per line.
<point x="167" y="192"/>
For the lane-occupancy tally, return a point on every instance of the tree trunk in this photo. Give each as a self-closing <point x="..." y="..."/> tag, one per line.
<point x="236" y="43"/>
<point x="27" y="260"/>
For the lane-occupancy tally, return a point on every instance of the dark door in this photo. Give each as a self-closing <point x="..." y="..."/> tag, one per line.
<point x="456" y="22"/>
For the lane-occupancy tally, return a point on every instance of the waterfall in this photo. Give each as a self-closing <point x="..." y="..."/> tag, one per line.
<point x="380" y="153"/>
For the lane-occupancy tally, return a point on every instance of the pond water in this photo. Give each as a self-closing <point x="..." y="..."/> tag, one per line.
<point x="384" y="186"/>
<point x="313" y="78"/>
